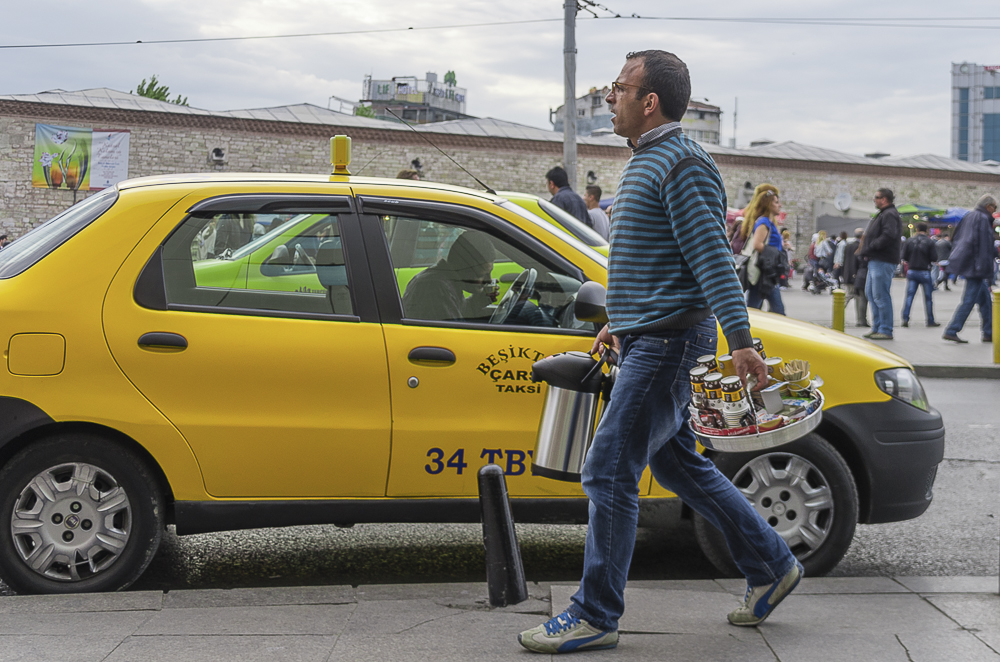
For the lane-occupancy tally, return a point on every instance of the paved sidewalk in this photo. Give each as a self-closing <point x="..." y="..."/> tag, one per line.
<point x="933" y="619"/>
<point x="920" y="345"/>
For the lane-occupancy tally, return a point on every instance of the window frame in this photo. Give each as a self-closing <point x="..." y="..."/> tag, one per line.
<point x="389" y="298"/>
<point x="150" y="291"/>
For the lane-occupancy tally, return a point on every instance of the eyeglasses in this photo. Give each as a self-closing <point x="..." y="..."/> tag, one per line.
<point x="619" y="88"/>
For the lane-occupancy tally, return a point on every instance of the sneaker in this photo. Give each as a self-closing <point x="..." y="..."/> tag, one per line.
<point x="880" y="336"/>
<point x="954" y="338"/>
<point x="566" y="633"/>
<point x="759" y="602"/>
<point x="869" y="334"/>
<point x="905" y="324"/>
<point x="929" y="324"/>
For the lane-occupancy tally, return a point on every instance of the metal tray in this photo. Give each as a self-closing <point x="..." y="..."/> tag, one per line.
<point x="762" y="440"/>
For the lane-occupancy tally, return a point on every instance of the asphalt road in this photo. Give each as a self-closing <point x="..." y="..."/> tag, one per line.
<point x="958" y="535"/>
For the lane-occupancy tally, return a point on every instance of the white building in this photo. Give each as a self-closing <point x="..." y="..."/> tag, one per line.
<point x="975" y="112"/>
<point x="701" y="122"/>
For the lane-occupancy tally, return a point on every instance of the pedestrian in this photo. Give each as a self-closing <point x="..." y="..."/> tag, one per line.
<point x="881" y="246"/>
<point x="669" y="270"/>
<point x="564" y="197"/>
<point x="972" y="257"/>
<point x="773" y="264"/>
<point x="855" y="272"/>
<point x="919" y="253"/>
<point x="4" y="240"/>
<point x="838" y="258"/>
<point x="739" y="238"/>
<point x="598" y="219"/>
<point x="943" y="254"/>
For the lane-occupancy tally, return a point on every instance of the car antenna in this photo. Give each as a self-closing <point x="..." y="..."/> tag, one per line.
<point x="478" y="181"/>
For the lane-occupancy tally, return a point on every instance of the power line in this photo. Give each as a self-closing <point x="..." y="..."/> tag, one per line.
<point x="936" y="23"/>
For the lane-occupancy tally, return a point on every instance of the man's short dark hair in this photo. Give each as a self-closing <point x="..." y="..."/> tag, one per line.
<point x="558" y="176"/>
<point x="887" y="194"/>
<point x="665" y="75"/>
<point x="922" y="227"/>
<point x="595" y="191"/>
<point x="3" y="237"/>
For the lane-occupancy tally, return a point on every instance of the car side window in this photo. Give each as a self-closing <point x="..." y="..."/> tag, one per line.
<point x="448" y="272"/>
<point x="242" y="262"/>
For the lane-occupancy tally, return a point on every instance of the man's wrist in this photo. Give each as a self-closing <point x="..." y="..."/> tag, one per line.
<point x="739" y="339"/>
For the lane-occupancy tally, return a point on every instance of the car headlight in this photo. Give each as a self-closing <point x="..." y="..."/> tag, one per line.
<point x="903" y="384"/>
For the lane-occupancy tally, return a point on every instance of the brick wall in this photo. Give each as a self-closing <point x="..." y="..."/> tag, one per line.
<point x="172" y="143"/>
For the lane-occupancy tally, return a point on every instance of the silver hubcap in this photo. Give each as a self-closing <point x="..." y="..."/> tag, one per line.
<point x="71" y="522"/>
<point x="793" y="496"/>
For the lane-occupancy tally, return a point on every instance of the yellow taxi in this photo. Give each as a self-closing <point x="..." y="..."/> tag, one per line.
<point x="358" y="362"/>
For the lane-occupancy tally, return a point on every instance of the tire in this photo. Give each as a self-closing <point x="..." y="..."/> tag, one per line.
<point x="815" y="516"/>
<point x="78" y="513"/>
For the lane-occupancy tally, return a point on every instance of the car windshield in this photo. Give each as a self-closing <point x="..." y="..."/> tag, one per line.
<point x="273" y="231"/>
<point x="572" y="224"/>
<point x="565" y="236"/>
<point x="28" y="249"/>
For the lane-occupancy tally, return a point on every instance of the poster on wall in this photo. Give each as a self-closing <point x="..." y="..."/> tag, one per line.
<point x="77" y="159"/>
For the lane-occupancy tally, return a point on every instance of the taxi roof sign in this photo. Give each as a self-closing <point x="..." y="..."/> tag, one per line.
<point x="340" y="154"/>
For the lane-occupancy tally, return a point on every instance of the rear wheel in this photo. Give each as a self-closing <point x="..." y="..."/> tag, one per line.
<point x="78" y="513"/>
<point x="804" y="490"/>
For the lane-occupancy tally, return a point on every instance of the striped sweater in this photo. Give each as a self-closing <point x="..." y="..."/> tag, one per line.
<point x="670" y="265"/>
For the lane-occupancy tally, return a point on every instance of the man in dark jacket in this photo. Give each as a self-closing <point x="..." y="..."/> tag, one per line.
<point x="855" y="272"/>
<point x="881" y="247"/>
<point x="919" y="253"/>
<point x="564" y="197"/>
<point x="972" y="256"/>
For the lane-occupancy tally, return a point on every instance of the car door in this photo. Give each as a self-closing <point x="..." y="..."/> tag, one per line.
<point x="462" y="396"/>
<point x="269" y="358"/>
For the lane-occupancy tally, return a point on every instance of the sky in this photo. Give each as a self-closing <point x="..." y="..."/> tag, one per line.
<point x="856" y="89"/>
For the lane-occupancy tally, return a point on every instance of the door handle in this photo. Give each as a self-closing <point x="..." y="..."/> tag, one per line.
<point x="162" y="339"/>
<point x="431" y="355"/>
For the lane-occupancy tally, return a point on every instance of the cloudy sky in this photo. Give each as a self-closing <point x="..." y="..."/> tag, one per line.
<point x="851" y="88"/>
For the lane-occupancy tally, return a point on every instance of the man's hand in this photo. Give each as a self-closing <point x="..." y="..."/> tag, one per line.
<point x="605" y="338"/>
<point x="748" y="361"/>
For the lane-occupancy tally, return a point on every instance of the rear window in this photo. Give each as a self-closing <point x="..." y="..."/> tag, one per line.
<point x="27" y="250"/>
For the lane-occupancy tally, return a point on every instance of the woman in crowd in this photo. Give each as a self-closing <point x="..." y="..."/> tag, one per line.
<point x="760" y="215"/>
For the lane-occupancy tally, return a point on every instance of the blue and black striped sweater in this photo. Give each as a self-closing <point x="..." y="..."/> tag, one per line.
<point x="670" y="264"/>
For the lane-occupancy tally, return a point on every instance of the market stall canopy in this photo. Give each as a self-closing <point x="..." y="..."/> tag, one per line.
<point x="953" y="215"/>
<point x="923" y="210"/>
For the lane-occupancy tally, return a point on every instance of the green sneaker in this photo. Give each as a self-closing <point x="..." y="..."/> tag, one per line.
<point x="759" y="602"/>
<point x="566" y="633"/>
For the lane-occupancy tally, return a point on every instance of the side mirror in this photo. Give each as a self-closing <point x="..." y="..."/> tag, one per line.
<point x="590" y="301"/>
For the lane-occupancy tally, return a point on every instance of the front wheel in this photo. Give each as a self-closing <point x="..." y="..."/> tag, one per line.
<point x="78" y="513"/>
<point x="804" y="490"/>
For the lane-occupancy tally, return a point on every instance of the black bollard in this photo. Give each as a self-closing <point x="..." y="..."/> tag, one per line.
<point x="504" y="570"/>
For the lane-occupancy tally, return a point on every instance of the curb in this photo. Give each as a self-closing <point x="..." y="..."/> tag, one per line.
<point x="958" y="371"/>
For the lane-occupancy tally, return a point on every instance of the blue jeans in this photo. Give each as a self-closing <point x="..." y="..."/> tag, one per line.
<point x="646" y="423"/>
<point x="915" y="279"/>
<point x="977" y="293"/>
<point x="877" y="291"/>
<point x="773" y="298"/>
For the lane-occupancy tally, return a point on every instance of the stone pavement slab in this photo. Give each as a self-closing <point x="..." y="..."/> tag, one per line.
<point x="220" y="649"/>
<point x="86" y="602"/>
<point x="284" y="620"/>
<point x="979" y="614"/>
<point x="950" y="584"/>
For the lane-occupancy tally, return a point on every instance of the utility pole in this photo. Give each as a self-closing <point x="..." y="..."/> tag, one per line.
<point x="736" y="109"/>
<point x="569" y="121"/>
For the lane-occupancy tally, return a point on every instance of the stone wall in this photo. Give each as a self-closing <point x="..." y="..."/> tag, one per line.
<point x="162" y="143"/>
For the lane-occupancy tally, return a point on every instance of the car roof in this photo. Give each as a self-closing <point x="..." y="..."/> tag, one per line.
<point x="239" y="177"/>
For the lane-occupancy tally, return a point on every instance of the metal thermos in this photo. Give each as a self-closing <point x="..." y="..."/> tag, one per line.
<point x="569" y="416"/>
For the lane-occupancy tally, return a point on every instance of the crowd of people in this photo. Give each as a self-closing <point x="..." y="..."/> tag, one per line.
<point x="866" y="263"/>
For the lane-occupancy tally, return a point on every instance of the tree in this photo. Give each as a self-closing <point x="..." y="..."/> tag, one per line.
<point x="364" y="111"/>
<point x="151" y="90"/>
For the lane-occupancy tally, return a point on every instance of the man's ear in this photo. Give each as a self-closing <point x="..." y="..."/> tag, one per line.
<point x="652" y="104"/>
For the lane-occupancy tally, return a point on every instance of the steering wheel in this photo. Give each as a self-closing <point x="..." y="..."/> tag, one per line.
<point x="524" y="282"/>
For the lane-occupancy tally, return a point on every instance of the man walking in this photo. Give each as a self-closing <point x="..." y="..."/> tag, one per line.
<point x="563" y="196"/>
<point x="855" y="273"/>
<point x="919" y="254"/>
<point x="972" y="256"/>
<point x="881" y="247"/>
<point x="670" y="270"/>
<point x="598" y="219"/>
